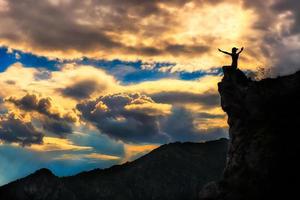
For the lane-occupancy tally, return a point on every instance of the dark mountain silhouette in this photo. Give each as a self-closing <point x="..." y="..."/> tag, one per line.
<point x="172" y="171"/>
<point x="264" y="119"/>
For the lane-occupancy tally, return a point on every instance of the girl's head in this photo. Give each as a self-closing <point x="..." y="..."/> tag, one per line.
<point x="234" y="50"/>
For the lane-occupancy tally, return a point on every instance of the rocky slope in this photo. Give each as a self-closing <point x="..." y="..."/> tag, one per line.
<point x="264" y="119"/>
<point x="173" y="171"/>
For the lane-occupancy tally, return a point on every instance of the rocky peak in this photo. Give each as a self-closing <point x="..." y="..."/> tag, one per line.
<point x="263" y="118"/>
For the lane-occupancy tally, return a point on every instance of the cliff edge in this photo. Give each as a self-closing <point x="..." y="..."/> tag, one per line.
<point x="264" y="119"/>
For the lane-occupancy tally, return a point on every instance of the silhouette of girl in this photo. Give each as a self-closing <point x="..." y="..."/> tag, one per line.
<point x="234" y="55"/>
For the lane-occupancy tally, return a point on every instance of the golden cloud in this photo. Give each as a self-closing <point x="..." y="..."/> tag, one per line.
<point x="51" y="103"/>
<point x="57" y="144"/>
<point x="89" y="156"/>
<point x="134" y="150"/>
<point x="184" y="32"/>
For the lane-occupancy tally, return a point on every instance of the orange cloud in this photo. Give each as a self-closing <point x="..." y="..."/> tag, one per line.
<point x="57" y="144"/>
<point x="134" y="150"/>
<point x="184" y="32"/>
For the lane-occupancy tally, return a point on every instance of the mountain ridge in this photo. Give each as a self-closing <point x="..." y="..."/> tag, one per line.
<point x="172" y="171"/>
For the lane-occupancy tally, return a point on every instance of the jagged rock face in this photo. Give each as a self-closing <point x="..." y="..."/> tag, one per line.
<point x="264" y="123"/>
<point x="175" y="171"/>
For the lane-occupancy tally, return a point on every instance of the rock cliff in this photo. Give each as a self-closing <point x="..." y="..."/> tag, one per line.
<point x="264" y="119"/>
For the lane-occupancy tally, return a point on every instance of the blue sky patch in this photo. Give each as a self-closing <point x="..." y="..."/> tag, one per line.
<point x="9" y="57"/>
<point x="127" y="72"/>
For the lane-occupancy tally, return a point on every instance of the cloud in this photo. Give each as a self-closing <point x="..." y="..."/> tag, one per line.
<point x="291" y="6"/>
<point x="52" y="120"/>
<point x="171" y="49"/>
<point x="82" y="89"/>
<point x="127" y="117"/>
<point x="160" y="30"/>
<point x="91" y="156"/>
<point x="30" y="102"/>
<point x="43" y="74"/>
<point x="138" y="118"/>
<point x="10" y="82"/>
<point x="71" y="79"/>
<point x="14" y="129"/>
<point x="209" y="115"/>
<point x="64" y="32"/>
<point x="82" y="81"/>
<point x="58" y="127"/>
<point x="101" y="143"/>
<point x="286" y="43"/>
<point x="181" y="126"/>
<point x="44" y="106"/>
<point x="178" y="50"/>
<point x="134" y="151"/>
<point x="74" y="29"/>
<point x="130" y="113"/>
<point x="207" y="99"/>
<point x="118" y="122"/>
<point x="52" y="144"/>
<point x="278" y="22"/>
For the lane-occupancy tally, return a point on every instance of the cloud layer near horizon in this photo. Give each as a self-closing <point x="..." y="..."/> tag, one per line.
<point x="130" y="113"/>
<point x="52" y="118"/>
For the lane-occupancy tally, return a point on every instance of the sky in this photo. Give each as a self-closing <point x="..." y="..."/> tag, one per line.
<point x="89" y="84"/>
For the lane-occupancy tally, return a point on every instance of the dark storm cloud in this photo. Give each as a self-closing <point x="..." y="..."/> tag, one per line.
<point x="292" y="6"/>
<point x="58" y="127"/>
<point x="208" y="99"/>
<point x="261" y="8"/>
<point x="99" y="25"/>
<point x="52" y="121"/>
<point x="268" y="12"/>
<point x="53" y="27"/>
<point x="30" y="102"/>
<point x="82" y="89"/>
<point x="286" y="49"/>
<point x="13" y="129"/>
<point x="111" y="116"/>
<point x="275" y="44"/>
<point x="86" y="26"/>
